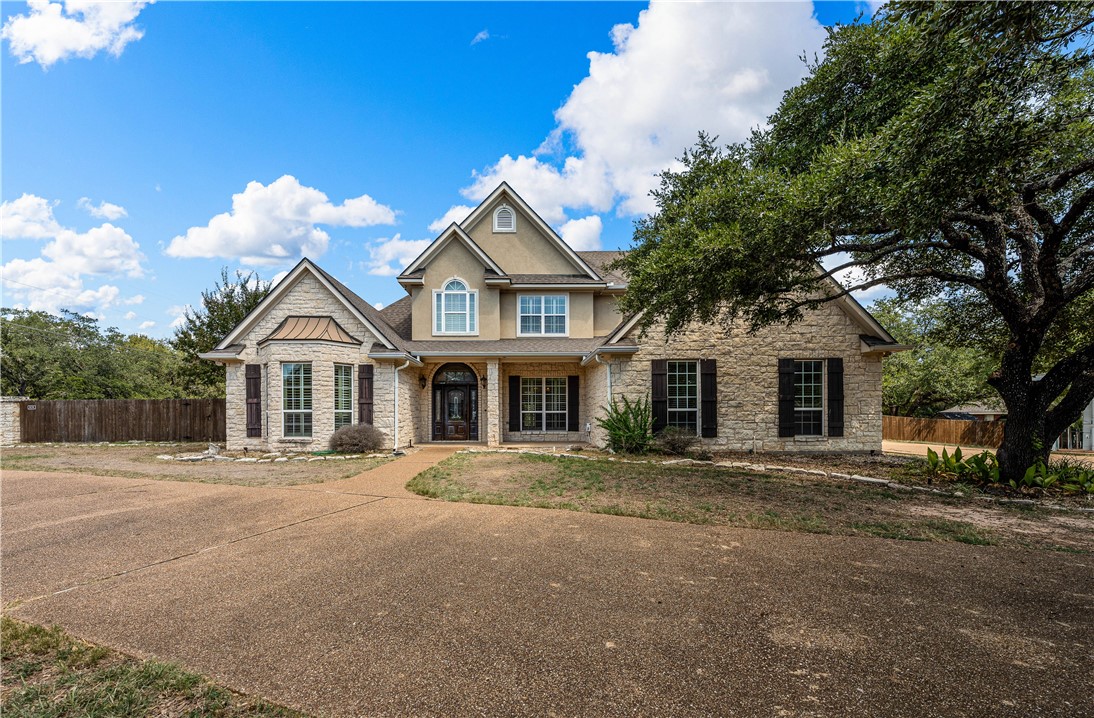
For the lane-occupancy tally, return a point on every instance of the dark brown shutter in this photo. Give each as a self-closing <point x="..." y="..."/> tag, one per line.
<point x="660" y="397"/>
<point x="708" y="396"/>
<point x="573" y="403"/>
<point x="786" y="397"/>
<point x="364" y="393"/>
<point x="514" y="403"/>
<point x="253" y="373"/>
<point x="835" y="397"/>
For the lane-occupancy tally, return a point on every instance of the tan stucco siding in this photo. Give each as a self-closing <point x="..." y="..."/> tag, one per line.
<point x="581" y="315"/>
<point x="455" y="260"/>
<point x="508" y="315"/>
<point x="747" y="380"/>
<point x="526" y="251"/>
<point x="606" y="316"/>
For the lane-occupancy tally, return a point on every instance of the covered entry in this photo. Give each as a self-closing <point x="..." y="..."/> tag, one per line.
<point x="455" y="404"/>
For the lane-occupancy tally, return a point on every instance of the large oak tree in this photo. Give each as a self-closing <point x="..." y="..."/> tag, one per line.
<point x="944" y="150"/>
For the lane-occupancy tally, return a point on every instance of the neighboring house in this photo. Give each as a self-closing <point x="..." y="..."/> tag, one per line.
<point x="985" y="411"/>
<point x="509" y="335"/>
<point x="1080" y="435"/>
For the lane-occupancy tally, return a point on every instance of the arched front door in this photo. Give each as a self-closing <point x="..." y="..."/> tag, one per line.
<point x="455" y="404"/>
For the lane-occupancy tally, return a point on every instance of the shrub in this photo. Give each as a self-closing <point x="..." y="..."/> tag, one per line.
<point x="629" y="426"/>
<point x="676" y="441"/>
<point x="357" y="439"/>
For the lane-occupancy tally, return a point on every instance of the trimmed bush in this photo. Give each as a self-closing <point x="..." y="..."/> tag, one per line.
<point x="358" y="439"/>
<point x="676" y="441"/>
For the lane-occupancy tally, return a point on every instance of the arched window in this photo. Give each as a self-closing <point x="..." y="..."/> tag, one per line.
<point x="455" y="309"/>
<point x="505" y="219"/>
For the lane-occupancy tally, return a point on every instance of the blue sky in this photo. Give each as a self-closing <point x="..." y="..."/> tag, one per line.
<point x="145" y="146"/>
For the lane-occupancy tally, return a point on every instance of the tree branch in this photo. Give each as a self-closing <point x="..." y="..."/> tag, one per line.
<point x="1054" y="182"/>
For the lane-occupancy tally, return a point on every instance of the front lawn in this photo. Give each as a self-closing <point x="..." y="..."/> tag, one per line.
<point x="734" y="497"/>
<point x="48" y="673"/>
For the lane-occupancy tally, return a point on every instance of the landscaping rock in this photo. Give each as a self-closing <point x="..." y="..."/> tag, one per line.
<point x="165" y="457"/>
<point x="272" y="455"/>
<point x="264" y="461"/>
<point x="221" y="458"/>
<point x="299" y="458"/>
<point x="317" y="458"/>
<point x="247" y="460"/>
<point x="868" y="480"/>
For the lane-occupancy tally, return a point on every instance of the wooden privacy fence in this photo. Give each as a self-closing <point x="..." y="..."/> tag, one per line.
<point x="76" y="420"/>
<point x="988" y="434"/>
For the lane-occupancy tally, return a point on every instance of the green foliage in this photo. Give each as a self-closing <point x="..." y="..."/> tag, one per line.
<point x="222" y="308"/>
<point x="939" y="372"/>
<point x="357" y="439"/>
<point x="674" y="440"/>
<point x="983" y="469"/>
<point x="70" y="357"/>
<point x="629" y="425"/>
<point x="946" y="151"/>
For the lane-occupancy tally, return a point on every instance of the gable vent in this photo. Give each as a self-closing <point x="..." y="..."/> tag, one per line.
<point x="505" y="220"/>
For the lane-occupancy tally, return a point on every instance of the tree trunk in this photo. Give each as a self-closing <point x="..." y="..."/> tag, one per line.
<point x="1024" y="443"/>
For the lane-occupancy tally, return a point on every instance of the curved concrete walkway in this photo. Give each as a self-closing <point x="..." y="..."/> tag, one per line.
<point x="344" y="600"/>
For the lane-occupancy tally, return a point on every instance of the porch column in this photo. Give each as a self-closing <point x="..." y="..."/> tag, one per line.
<point x="493" y="403"/>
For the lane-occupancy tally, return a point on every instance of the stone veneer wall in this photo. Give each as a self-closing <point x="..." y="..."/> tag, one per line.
<point x="11" y="429"/>
<point x="748" y="379"/>
<point x="544" y="370"/>
<point x="310" y="298"/>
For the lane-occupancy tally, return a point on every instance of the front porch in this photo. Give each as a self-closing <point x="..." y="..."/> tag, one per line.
<point x="501" y="402"/>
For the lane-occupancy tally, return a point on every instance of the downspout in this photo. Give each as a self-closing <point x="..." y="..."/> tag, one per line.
<point x="395" y="448"/>
<point x="608" y="364"/>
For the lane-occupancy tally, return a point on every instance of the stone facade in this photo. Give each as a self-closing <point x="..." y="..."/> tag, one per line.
<point x="748" y="378"/>
<point x="310" y="298"/>
<point x="544" y="371"/>
<point x="11" y="430"/>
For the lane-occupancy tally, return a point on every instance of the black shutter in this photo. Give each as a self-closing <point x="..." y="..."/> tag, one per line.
<point x="364" y="393"/>
<point x="573" y="403"/>
<point x="835" y="397"/>
<point x="253" y="373"/>
<point x="708" y="395"/>
<point x="514" y="403"/>
<point x="786" y="397"/>
<point x="660" y="386"/>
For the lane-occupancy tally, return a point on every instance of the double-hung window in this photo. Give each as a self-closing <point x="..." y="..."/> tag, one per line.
<point x="343" y="395"/>
<point x="543" y="404"/>
<point x="454" y="309"/>
<point x="296" y="399"/>
<point x="809" y="397"/>
<point x="542" y="315"/>
<point x="682" y="384"/>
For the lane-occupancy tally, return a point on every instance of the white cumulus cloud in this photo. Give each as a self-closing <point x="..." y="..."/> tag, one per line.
<point x="582" y="234"/>
<point x="53" y="31"/>
<point x="130" y="316"/>
<point x="456" y="213"/>
<point x="29" y="217"/>
<point x="388" y="257"/>
<point x="178" y="314"/>
<point x="480" y="36"/>
<point x="55" y="279"/>
<point x="277" y="223"/>
<point x="104" y="210"/>
<point x="681" y="69"/>
<point x="147" y="325"/>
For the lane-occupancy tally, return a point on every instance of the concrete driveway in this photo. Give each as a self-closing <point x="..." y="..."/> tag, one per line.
<point x="340" y="602"/>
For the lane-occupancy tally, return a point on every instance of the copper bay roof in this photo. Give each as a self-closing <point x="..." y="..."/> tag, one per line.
<point x="323" y="329"/>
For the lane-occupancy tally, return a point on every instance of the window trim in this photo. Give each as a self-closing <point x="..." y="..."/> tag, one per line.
<point x="543" y="412"/>
<point x="349" y="396"/>
<point x="310" y="411"/>
<point x="542" y="315"/>
<point x="494" y="223"/>
<point x="698" y="410"/>
<point x="821" y="411"/>
<point x="472" y="316"/>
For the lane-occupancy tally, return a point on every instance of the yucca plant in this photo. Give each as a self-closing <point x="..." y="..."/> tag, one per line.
<point x="629" y="425"/>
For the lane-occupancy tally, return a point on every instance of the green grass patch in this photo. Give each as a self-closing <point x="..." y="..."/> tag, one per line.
<point x="730" y="497"/>
<point x="49" y="674"/>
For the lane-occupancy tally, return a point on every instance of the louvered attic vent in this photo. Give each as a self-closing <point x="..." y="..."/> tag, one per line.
<point x="505" y="220"/>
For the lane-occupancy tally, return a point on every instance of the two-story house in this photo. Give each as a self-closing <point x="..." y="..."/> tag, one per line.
<point x="508" y="335"/>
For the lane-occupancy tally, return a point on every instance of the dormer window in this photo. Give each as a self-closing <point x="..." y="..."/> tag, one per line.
<point x="455" y="309"/>
<point x="505" y="219"/>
